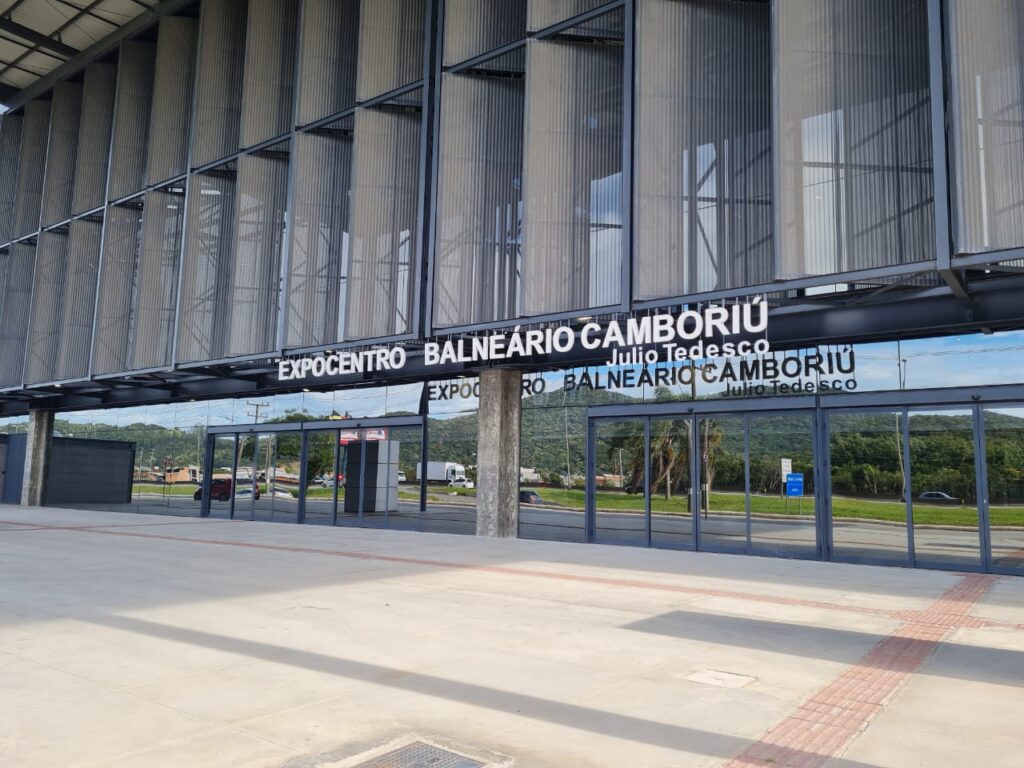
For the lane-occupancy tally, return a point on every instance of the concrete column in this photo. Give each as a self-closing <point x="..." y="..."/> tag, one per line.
<point x="497" y="453"/>
<point x="37" y="457"/>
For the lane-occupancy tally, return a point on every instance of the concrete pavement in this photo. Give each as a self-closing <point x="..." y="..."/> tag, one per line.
<point x="130" y="640"/>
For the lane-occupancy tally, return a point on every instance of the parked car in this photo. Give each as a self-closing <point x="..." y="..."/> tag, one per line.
<point x="329" y="482"/>
<point x="530" y="497"/>
<point x="938" y="497"/>
<point x="460" y="482"/>
<point x="220" y="490"/>
<point x="401" y="476"/>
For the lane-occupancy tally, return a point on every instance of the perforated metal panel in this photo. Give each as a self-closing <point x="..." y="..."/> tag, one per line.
<point x="327" y="71"/>
<point x="94" y="137"/>
<point x="318" y="262"/>
<point x="131" y="117"/>
<point x="269" y="75"/>
<point x="10" y="152"/>
<point x="62" y="149"/>
<point x="218" y="94"/>
<point x="35" y="130"/>
<point x="16" y="266"/>
<point x="172" y="98"/>
<point x="390" y="45"/>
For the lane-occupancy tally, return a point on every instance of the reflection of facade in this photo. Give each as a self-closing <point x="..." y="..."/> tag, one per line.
<point x="250" y="180"/>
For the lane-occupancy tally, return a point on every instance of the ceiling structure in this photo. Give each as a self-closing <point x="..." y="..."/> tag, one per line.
<point x="38" y="37"/>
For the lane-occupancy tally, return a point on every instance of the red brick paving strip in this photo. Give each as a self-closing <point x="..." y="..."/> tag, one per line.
<point x="824" y="725"/>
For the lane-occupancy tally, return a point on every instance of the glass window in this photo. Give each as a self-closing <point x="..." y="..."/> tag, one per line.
<point x="855" y="144"/>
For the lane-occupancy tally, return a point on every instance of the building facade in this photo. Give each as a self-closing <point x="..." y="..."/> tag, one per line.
<point x="274" y="246"/>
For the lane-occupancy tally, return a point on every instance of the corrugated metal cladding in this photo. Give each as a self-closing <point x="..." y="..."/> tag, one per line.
<point x="173" y="79"/>
<point x="94" y="137"/>
<point x="472" y="27"/>
<point x="391" y="38"/>
<point x="702" y="185"/>
<point x="47" y="305"/>
<point x="34" y="132"/>
<point x="479" y="207"/>
<point x="384" y="232"/>
<point x="328" y="49"/>
<point x="572" y="186"/>
<point x="319" y="244"/>
<point x="131" y="118"/>
<point x="855" y="147"/>
<point x="17" y="265"/>
<point x="10" y="154"/>
<point x="217" y="111"/>
<point x="65" y="114"/>
<point x="267" y="95"/>
<point x="544" y="13"/>
<point x="988" y="128"/>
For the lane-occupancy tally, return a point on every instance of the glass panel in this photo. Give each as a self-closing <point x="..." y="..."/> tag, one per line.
<point x="620" y="481"/>
<point x="283" y="482"/>
<point x="869" y="510"/>
<point x="553" y="456"/>
<point x="723" y="498"/>
<point x="671" y="518"/>
<point x="943" y="486"/>
<point x="450" y="473"/>
<point x="1004" y="452"/>
<point x="190" y="453"/>
<point x="321" y="477"/>
<point x="263" y="472"/>
<point x="703" y="183"/>
<point x="988" y="122"/>
<point x="856" y="187"/>
<point x="222" y="482"/>
<point x="402" y="450"/>
<point x="781" y="524"/>
<point x="346" y="485"/>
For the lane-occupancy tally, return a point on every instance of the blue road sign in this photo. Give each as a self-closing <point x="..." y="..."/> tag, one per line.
<point x="795" y="484"/>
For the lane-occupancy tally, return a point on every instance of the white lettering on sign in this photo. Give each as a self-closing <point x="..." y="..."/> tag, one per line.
<point x="679" y="337"/>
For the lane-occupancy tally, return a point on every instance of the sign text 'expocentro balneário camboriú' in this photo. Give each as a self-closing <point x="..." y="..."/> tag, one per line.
<point x="710" y="332"/>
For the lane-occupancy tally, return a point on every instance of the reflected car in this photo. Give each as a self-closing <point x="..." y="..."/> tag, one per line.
<point x="280" y="493"/>
<point x="220" y="490"/>
<point x="247" y="491"/>
<point x="938" y="497"/>
<point x="401" y="477"/>
<point x="460" y="482"/>
<point x="329" y="482"/>
<point x="530" y="497"/>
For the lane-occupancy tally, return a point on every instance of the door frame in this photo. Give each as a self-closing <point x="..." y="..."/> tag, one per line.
<point x="304" y="428"/>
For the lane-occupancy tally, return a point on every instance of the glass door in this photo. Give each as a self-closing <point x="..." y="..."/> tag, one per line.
<point x="620" y="483"/>
<point x="721" y="459"/>
<point x="321" y="477"/>
<point x="671" y="454"/>
<point x="943" y="483"/>
<point x="1004" y="453"/>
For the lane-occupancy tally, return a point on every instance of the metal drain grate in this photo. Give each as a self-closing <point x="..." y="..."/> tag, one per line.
<point x="420" y="755"/>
